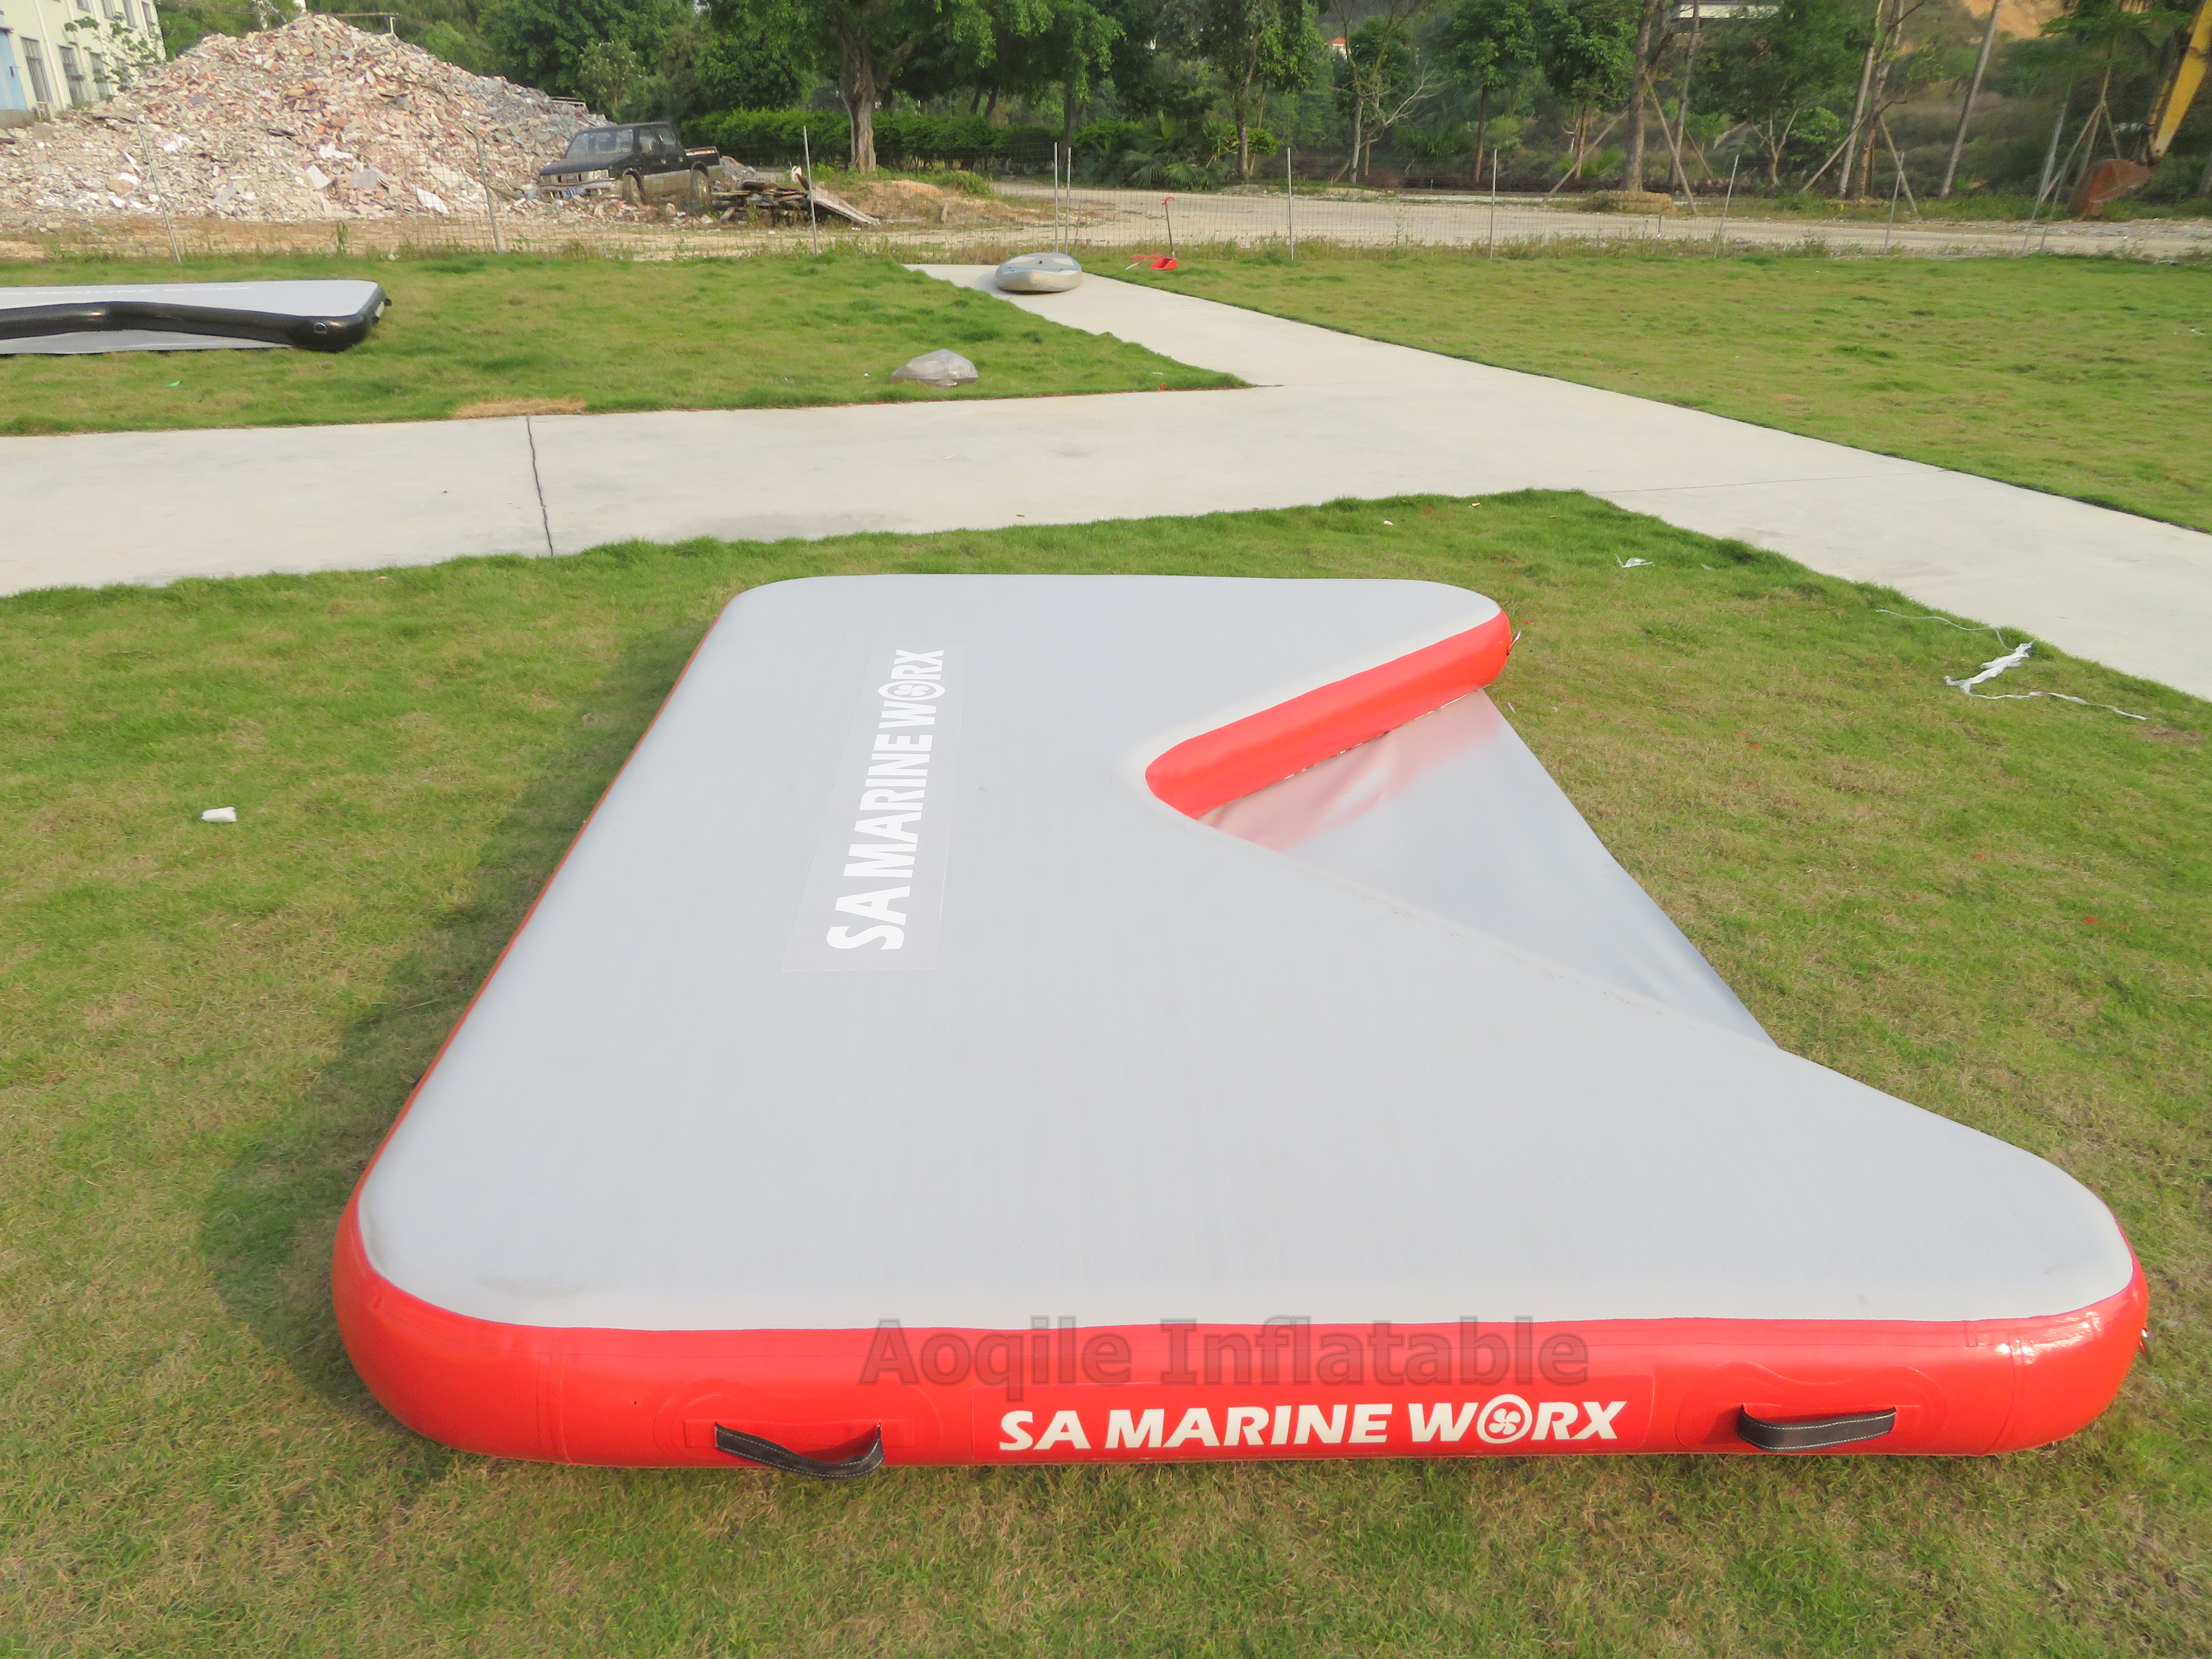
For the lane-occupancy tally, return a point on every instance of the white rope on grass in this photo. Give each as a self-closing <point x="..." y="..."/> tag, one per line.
<point x="1964" y="628"/>
<point x="2012" y="659"/>
<point x="1997" y="665"/>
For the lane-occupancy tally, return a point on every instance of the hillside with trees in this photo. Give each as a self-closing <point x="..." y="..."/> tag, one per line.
<point x="1805" y="100"/>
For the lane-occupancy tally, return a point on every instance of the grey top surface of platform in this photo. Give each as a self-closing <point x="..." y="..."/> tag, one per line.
<point x="332" y="297"/>
<point x="1140" y="1069"/>
<point x="99" y="341"/>
<point x="1453" y="813"/>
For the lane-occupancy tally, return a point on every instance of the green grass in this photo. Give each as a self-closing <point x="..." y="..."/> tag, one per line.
<point x="207" y="1027"/>
<point x="609" y="335"/>
<point x="2018" y="206"/>
<point x="2090" y="378"/>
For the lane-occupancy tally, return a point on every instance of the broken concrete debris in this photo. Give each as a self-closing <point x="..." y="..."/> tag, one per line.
<point x="314" y="120"/>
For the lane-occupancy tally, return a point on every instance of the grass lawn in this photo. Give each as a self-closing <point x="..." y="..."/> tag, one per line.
<point x="2090" y="378"/>
<point x="1995" y="909"/>
<point x="582" y="335"/>
<point x="2017" y="206"/>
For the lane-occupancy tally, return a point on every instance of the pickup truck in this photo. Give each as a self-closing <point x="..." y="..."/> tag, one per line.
<point x="641" y="163"/>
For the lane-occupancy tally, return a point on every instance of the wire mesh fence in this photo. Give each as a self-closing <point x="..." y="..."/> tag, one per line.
<point x="980" y="208"/>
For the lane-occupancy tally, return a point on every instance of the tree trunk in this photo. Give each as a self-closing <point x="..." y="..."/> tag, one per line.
<point x="1067" y="118"/>
<point x="1481" y="125"/>
<point x="1858" y="108"/>
<point x="1967" y="109"/>
<point x="1358" y="109"/>
<point x="1634" y="176"/>
<point x="1874" y="93"/>
<point x="1681" y="139"/>
<point x="856" y="85"/>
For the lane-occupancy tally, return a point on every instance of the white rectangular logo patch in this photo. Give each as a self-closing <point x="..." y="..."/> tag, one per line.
<point x="874" y="898"/>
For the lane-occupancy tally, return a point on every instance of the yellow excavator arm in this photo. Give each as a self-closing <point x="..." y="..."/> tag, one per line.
<point x="2109" y="180"/>
<point x="2174" y="98"/>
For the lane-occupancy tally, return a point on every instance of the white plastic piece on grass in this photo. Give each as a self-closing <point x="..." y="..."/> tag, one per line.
<point x="1630" y="564"/>
<point x="1995" y="666"/>
<point x="219" y="815"/>
<point x="2012" y="659"/>
<point x="939" y="368"/>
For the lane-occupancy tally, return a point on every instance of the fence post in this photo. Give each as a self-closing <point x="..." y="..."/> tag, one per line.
<point x="483" y="179"/>
<point x="1720" y="236"/>
<point x="807" y="151"/>
<point x="167" y="219"/>
<point x="1493" y="254"/>
<point x="1167" y="206"/>
<point x="1290" y="203"/>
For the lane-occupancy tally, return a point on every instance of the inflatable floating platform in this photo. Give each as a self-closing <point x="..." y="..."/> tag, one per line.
<point x="1039" y="273"/>
<point x="1001" y="1019"/>
<point x="314" y="316"/>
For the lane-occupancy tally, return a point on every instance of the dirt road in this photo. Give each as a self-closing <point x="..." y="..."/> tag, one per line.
<point x="1142" y="219"/>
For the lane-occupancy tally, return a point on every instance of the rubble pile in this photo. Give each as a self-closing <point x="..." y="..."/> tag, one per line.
<point x="314" y="120"/>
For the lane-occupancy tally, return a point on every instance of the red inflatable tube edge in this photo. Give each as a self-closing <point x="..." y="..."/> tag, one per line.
<point x="641" y="1399"/>
<point x="1218" y="767"/>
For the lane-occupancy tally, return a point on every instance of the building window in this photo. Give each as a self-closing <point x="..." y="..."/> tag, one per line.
<point x="100" y="80"/>
<point x="42" y="89"/>
<point x="73" y="73"/>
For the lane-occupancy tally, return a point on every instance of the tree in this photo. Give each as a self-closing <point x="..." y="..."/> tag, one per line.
<point x="1774" y="72"/>
<point x="746" y="68"/>
<point x="1382" y="77"/>
<point x="1149" y="77"/>
<point x="452" y="30"/>
<point x="1487" y="44"/>
<point x="542" y="43"/>
<point x="1256" y="48"/>
<point x="462" y="47"/>
<point x="607" y="75"/>
<point x="2117" y="31"/>
<point x="1587" y="50"/>
<point x="1076" y="46"/>
<point x="868" y="43"/>
<point x="1650" y="46"/>
<point x="1035" y="48"/>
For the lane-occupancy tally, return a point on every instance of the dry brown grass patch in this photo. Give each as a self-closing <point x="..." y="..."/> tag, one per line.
<point x="493" y="409"/>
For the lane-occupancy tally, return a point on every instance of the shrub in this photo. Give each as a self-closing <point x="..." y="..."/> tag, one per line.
<point x="772" y="138"/>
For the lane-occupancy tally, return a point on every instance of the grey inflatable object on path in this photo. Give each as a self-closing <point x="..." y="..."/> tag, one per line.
<point x="1039" y="273"/>
<point x="1395" y="1041"/>
<point x="77" y="321"/>
<point x="944" y="369"/>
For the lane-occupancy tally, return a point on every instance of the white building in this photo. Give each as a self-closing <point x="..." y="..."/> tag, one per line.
<point x="54" y="54"/>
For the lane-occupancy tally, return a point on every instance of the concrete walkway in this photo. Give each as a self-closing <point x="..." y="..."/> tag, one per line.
<point x="1330" y="416"/>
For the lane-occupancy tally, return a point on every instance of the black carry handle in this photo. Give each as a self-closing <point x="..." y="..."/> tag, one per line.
<point x="768" y="1455"/>
<point x="1815" y="1433"/>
